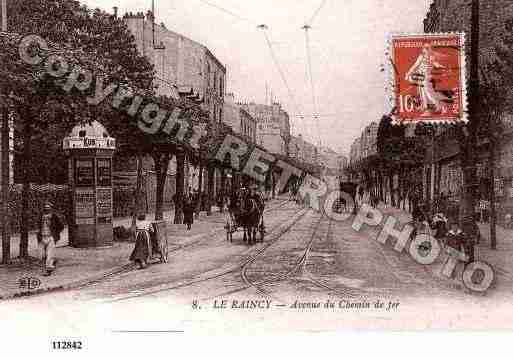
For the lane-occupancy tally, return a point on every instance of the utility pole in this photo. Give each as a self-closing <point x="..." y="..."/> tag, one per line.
<point x="469" y="144"/>
<point x="153" y="21"/>
<point x="6" y="237"/>
<point x="307" y="28"/>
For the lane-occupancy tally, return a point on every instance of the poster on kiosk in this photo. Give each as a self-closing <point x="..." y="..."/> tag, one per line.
<point x="90" y="150"/>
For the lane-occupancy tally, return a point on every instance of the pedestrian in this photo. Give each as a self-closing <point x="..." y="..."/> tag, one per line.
<point x="196" y="201"/>
<point x="439" y="224"/>
<point x="50" y="228"/>
<point x="455" y="237"/>
<point x="141" y="253"/>
<point x="188" y="212"/>
<point x="416" y="213"/>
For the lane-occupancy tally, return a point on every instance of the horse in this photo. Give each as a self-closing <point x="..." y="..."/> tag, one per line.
<point x="251" y="216"/>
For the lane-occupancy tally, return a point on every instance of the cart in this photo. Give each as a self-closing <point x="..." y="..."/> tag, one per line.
<point x="159" y="244"/>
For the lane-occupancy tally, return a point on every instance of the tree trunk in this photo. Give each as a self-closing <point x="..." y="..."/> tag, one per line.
<point x="223" y="189"/>
<point x="235" y="181"/>
<point x="25" y="194"/>
<point x="138" y="192"/>
<point x="493" y="213"/>
<point x="468" y="138"/>
<point x="6" y="236"/>
<point x="273" y="185"/>
<point x="161" y="167"/>
<point x="210" y="188"/>
<point x="180" y="178"/>
<point x="200" y="190"/>
<point x="391" y="188"/>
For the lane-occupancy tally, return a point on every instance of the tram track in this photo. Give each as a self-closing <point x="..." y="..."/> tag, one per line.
<point x="299" y="268"/>
<point x="275" y="232"/>
<point x="130" y="267"/>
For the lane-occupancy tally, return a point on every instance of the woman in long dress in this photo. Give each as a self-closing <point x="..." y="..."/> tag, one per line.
<point x="141" y="253"/>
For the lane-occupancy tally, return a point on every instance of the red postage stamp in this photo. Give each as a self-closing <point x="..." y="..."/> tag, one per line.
<point x="428" y="78"/>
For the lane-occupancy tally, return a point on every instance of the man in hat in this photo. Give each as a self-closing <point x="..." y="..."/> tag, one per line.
<point x="50" y="228"/>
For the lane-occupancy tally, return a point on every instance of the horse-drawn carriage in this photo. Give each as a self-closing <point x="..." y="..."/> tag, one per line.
<point x="246" y="212"/>
<point x="341" y="205"/>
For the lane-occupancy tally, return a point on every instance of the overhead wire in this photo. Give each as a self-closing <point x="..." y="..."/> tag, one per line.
<point x="310" y="22"/>
<point x="312" y="86"/>
<point x="269" y="44"/>
<point x="280" y="69"/>
<point x="306" y="28"/>
<point x="227" y="11"/>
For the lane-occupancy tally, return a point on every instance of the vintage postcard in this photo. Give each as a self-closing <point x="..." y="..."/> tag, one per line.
<point x="254" y="167"/>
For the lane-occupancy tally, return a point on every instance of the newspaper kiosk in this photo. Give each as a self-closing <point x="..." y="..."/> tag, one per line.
<point x="90" y="149"/>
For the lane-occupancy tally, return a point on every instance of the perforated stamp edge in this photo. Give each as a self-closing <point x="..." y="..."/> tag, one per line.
<point x="390" y="82"/>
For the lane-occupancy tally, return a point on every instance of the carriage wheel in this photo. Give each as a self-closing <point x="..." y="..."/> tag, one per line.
<point x="164" y="252"/>
<point x="262" y="232"/>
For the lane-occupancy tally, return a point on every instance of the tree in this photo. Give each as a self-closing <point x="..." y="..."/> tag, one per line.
<point x="399" y="153"/>
<point x="495" y="89"/>
<point x="97" y="41"/>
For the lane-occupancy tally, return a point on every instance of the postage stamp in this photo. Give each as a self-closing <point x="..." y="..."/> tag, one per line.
<point x="428" y="78"/>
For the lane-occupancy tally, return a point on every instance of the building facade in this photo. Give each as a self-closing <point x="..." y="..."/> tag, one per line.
<point x="182" y="65"/>
<point x="273" y="126"/>
<point x="239" y="119"/>
<point x="443" y="173"/>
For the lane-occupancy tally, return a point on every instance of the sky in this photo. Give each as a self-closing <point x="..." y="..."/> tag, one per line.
<point x="347" y="43"/>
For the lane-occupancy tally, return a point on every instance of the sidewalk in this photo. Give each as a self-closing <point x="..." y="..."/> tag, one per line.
<point x="500" y="259"/>
<point x="77" y="267"/>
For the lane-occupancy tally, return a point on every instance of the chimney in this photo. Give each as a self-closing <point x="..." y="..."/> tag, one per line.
<point x="115" y="12"/>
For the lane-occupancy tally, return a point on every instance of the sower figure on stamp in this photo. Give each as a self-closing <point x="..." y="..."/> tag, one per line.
<point x="50" y="228"/>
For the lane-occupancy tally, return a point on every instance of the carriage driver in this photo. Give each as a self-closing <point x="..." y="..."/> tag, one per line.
<point x="255" y="194"/>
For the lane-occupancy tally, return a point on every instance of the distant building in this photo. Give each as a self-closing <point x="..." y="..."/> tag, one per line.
<point x="369" y="140"/>
<point x="366" y="145"/>
<point x="273" y="126"/>
<point x="303" y="151"/>
<point x="330" y="160"/>
<point x="239" y="119"/>
<point x="355" y="153"/>
<point x="342" y="163"/>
